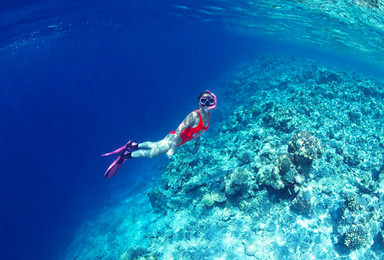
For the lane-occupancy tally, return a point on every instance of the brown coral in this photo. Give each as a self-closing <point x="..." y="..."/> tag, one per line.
<point x="304" y="148"/>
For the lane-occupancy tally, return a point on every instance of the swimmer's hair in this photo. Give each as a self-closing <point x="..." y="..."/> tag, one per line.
<point x="202" y="93"/>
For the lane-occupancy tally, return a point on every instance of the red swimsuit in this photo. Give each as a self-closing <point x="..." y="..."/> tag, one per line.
<point x="191" y="133"/>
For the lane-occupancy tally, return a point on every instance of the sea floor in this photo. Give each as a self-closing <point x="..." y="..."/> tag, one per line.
<point x="292" y="168"/>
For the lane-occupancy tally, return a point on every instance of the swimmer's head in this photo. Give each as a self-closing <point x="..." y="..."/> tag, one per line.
<point x="207" y="100"/>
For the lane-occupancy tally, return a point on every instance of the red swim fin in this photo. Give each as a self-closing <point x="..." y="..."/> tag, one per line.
<point x="114" y="167"/>
<point x="124" y="153"/>
<point x="119" y="150"/>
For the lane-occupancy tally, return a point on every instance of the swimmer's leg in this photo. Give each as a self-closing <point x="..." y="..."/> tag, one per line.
<point x="153" y="149"/>
<point x="147" y="145"/>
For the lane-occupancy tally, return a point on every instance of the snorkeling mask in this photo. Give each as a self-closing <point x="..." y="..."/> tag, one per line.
<point x="210" y="102"/>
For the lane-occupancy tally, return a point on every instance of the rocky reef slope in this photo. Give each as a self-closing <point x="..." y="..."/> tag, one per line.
<point x="293" y="168"/>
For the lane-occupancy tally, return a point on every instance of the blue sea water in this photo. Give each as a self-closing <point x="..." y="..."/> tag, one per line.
<point x="80" y="78"/>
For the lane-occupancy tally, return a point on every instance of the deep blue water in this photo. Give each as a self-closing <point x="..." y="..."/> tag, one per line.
<point x="66" y="100"/>
<point x="78" y="80"/>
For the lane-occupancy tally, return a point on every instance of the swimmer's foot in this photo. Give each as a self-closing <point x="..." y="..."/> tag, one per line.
<point x="123" y="154"/>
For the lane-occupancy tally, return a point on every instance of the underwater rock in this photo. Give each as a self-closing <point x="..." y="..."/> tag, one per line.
<point x="283" y="252"/>
<point x="354" y="115"/>
<point x="210" y="198"/>
<point x="267" y="153"/>
<point x="304" y="148"/>
<point x="137" y="253"/>
<point x="284" y="163"/>
<point x="326" y="77"/>
<point x="269" y="175"/>
<point x="365" y="183"/>
<point x="240" y="176"/>
<point x="302" y="203"/>
<point x="193" y="184"/>
<point x="207" y="200"/>
<point x="351" y="157"/>
<point x="236" y="181"/>
<point x="286" y="169"/>
<point x="244" y="156"/>
<point x="256" y="203"/>
<point x="278" y="175"/>
<point x="280" y="118"/>
<point x="157" y="200"/>
<point x="273" y="167"/>
<point x="250" y="249"/>
<point x="382" y="230"/>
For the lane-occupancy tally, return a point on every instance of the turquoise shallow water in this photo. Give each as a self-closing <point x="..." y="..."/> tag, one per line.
<point x="291" y="169"/>
<point x="349" y="27"/>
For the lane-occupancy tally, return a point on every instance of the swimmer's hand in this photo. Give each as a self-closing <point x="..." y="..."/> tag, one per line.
<point x="171" y="152"/>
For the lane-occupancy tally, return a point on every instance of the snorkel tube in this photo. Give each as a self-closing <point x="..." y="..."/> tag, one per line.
<point x="214" y="97"/>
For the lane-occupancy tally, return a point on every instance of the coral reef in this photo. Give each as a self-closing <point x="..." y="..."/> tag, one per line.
<point x="302" y="203"/>
<point x="356" y="237"/>
<point x="137" y="253"/>
<point x="304" y="148"/>
<point x="263" y="183"/>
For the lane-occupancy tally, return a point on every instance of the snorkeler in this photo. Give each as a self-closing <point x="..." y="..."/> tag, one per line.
<point x="192" y="127"/>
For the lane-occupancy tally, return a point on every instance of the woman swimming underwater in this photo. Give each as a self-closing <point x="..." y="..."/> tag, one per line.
<point x="192" y="127"/>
